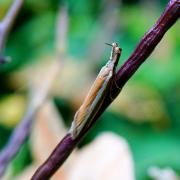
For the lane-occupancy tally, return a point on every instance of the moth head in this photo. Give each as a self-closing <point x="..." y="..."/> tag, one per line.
<point x="116" y="49"/>
<point x="116" y="52"/>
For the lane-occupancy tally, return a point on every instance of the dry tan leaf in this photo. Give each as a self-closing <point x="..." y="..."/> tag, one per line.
<point x="47" y="131"/>
<point x="107" y="157"/>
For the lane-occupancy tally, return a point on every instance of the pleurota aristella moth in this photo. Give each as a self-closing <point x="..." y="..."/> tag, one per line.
<point x="96" y="95"/>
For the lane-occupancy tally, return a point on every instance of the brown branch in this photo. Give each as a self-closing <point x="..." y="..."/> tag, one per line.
<point x="6" y="25"/>
<point x="140" y="54"/>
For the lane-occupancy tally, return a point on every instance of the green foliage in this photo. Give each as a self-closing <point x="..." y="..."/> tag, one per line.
<point x="21" y="160"/>
<point x="34" y="36"/>
<point x="150" y="146"/>
<point x="4" y="133"/>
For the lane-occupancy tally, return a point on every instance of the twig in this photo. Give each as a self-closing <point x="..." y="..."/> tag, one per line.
<point x="140" y="54"/>
<point x="16" y="140"/>
<point x="61" y="31"/>
<point x="6" y="24"/>
<point x="22" y="131"/>
<point x="109" y="22"/>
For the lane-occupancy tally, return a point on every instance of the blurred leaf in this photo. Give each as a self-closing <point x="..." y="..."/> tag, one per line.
<point x="36" y="37"/>
<point x="149" y="146"/>
<point x="4" y="6"/>
<point x="135" y="29"/>
<point x="12" y="109"/>
<point x="141" y="103"/>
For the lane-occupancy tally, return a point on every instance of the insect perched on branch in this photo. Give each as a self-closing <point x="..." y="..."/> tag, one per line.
<point x="97" y="93"/>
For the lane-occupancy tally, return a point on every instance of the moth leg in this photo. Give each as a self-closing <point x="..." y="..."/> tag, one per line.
<point x="111" y="87"/>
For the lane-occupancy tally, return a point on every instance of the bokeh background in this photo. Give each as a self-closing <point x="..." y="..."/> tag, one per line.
<point x="146" y="113"/>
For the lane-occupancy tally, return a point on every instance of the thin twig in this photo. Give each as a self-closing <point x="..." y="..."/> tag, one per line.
<point x="108" y="19"/>
<point x="61" y="31"/>
<point x="22" y="131"/>
<point x="140" y="54"/>
<point x="6" y="24"/>
<point x="39" y="95"/>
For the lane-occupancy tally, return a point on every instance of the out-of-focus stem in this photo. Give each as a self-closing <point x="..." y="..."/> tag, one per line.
<point x="7" y="22"/>
<point x="22" y="131"/>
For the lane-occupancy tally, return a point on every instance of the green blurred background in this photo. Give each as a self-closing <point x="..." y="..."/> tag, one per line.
<point x="146" y="113"/>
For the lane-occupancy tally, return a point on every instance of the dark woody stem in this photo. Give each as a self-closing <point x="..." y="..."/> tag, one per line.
<point x="149" y="42"/>
<point x="140" y="54"/>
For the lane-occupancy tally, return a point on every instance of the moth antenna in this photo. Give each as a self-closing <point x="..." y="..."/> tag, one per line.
<point x="108" y="44"/>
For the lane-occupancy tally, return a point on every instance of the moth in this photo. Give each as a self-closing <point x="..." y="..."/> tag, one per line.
<point x="97" y="93"/>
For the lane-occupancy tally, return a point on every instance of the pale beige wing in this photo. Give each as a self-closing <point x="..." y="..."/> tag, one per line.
<point x="92" y="101"/>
